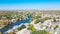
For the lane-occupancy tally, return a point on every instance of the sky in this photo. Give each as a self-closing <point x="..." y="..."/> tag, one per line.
<point x="29" y="4"/>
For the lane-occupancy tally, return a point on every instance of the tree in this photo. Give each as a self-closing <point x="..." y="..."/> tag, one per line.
<point x="9" y="17"/>
<point x="12" y="33"/>
<point x="22" y="27"/>
<point x="42" y="20"/>
<point x="37" y="21"/>
<point x="31" y="27"/>
<point x="54" y="20"/>
<point x="59" y="33"/>
<point x="38" y="17"/>
<point x="56" y="27"/>
<point x="0" y="17"/>
<point x="31" y="19"/>
<point x="39" y="32"/>
<point x="46" y="18"/>
<point x="0" y="32"/>
<point x="4" y="27"/>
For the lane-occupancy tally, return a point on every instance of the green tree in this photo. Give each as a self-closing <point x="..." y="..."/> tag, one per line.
<point x="39" y="32"/>
<point x="46" y="18"/>
<point x="31" y="27"/>
<point x="9" y="17"/>
<point x="38" y="17"/>
<point x="56" y="27"/>
<point x="0" y="32"/>
<point x="54" y="20"/>
<point x="37" y="21"/>
<point x="22" y="27"/>
<point x="11" y="33"/>
<point x="42" y="20"/>
<point x="0" y="17"/>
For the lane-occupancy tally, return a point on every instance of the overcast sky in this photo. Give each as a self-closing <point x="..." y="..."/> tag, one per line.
<point x="29" y="4"/>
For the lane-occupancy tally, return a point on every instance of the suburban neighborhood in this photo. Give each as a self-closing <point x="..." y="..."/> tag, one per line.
<point x="30" y="22"/>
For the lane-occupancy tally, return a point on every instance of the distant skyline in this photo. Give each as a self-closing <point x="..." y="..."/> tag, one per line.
<point x="29" y="4"/>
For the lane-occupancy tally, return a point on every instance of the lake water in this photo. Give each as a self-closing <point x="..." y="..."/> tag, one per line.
<point x="14" y="24"/>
